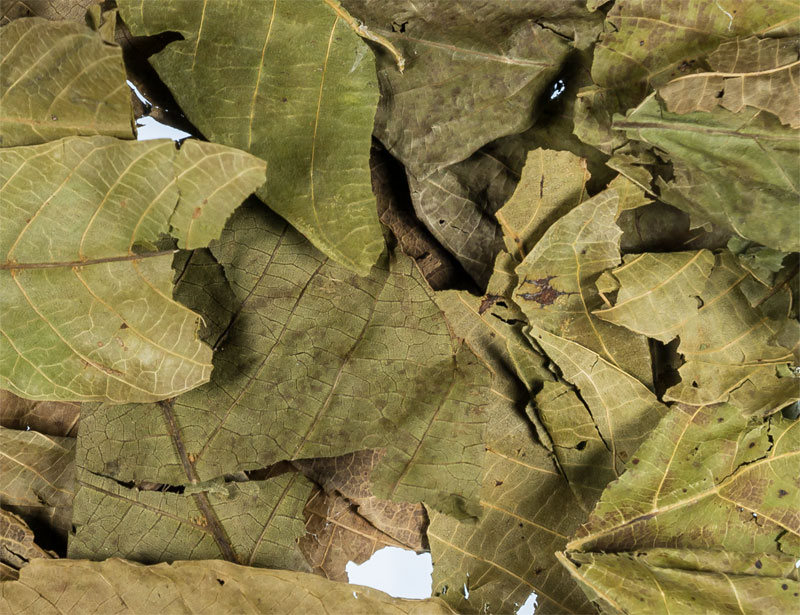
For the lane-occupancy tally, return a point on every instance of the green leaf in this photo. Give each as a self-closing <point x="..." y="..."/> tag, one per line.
<point x="728" y="345"/>
<point x="317" y="362"/>
<point x="712" y="500"/>
<point x="645" y="44"/>
<point x="734" y="169"/>
<point x="195" y="587"/>
<point x="595" y="433"/>
<point x="557" y="292"/>
<point x="306" y="109"/>
<point x="85" y="91"/>
<point x="88" y="312"/>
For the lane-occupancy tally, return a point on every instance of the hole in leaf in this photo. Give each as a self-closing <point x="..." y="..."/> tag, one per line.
<point x="581" y="445"/>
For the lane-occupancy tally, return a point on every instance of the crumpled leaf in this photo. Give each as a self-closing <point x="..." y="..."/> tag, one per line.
<point x="728" y="345"/>
<point x="317" y="362"/>
<point x="753" y="72"/>
<point x="646" y="43"/>
<point x="16" y="542"/>
<point x="594" y="433"/>
<point x="658" y="581"/>
<point x="85" y="93"/>
<point x="710" y="493"/>
<point x="98" y="203"/>
<point x="198" y="587"/>
<point x="306" y="109"/>
<point x="734" y="169"/>
<point x="556" y="289"/>
<point x="51" y="418"/>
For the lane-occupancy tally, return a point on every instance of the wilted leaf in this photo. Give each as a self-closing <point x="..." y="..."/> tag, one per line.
<point x="646" y="43"/>
<point x="664" y="581"/>
<point x="85" y="91"/>
<point x="596" y="432"/>
<point x="710" y="492"/>
<point x="317" y="362"/>
<point x="307" y="109"/>
<point x="728" y="345"/>
<point x="556" y="289"/>
<point x="192" y="588"/>
<point x="51" y="418"/>
<point x="16" y="542"/>
<point x="90" y="316"/>
<point x="735" y="169"/>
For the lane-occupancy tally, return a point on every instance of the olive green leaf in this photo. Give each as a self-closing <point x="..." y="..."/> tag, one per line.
<point x="186" y="588"/>
<point x="738" y="170"/>
<point x="316" y="362"/>
<point x="596" y="432"/>
<point x="470" y="77"/>
<point x="306" y="109"/>
<point x="85" y="93"/>
<point x="56" y="10"/>
<point x="87" y="307"/>
<point x="645" y="44"/>
<point x="528" y="514"/>
<point x="552" y="184"/>
<point x="664" y="581"/>
<point x="556" y="290"/>
<point x="728" y="345"/>
<point x="711" y="494"/>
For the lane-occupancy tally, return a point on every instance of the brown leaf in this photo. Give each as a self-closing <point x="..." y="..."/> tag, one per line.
<point x="52" y="418"/>
<point x="16" y="542"/>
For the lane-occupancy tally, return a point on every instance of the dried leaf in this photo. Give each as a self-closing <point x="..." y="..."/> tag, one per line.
<point x="317" y="167"/>
<point x="711" y="497"/>
<point x="16" y="542"/>
<point x="56" y="10"/>
<point x="85" y="92"/>
<point x="118" y="586"/>
<point x="728" y="345"/>
<point x="556" y="289"/>
<point x="99" y="204"/>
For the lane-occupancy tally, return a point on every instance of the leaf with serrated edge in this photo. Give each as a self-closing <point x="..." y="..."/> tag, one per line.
<point x="196" y="588"/>
<point x="307" y="109"/>
<point x="318" y="362"/>
<point x="87" y="306"/>
<point x="728" y="345"/>
<point x="85" y="94"/>
<point x="556" y="288"/>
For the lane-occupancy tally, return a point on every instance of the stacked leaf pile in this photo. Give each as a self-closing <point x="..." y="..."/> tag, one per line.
<point x="515" y="283"/>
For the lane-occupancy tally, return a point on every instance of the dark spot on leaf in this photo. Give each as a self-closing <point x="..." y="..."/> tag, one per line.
<point x="784" y="587"/>
<point x="721" y="420"/>
<point x="700" y="302"/>
<point x="684" y="489"/>
<point x="694" y="383"/>
<point x="581" y="445"/>
<point x="124" y="325"/>
<point x="751" y="445"/>
<point x="54" y="118"/>
<point x="441" y="221"/>
<point x="782" y="492"/>
<point x="220" y="581"/>
<point x="196" y="213"/>
<point x="488" y="301"/>
<point x="284" y="99"/>
<point x="758" y="564"/>
<point x="497" y="483"/>
<point x="719" y="94"/>
<point x="641" y="43"/>
<point x="544" y="294"/>
<point x="399" y="26"/>
<point x="520" y="525"/>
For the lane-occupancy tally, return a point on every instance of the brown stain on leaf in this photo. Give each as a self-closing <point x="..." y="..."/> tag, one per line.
<point x="543" y="293"/>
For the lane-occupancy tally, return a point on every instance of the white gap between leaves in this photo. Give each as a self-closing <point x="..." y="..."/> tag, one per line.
<point x="529" y="607"/>
<point x="148" y="128"/>
<point x="397" y="572"/>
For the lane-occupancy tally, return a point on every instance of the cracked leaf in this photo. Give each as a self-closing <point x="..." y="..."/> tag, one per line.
<point x="51" y="418"/>
<point x="307" y="110"/>
<point x="557" y="292"/>
<point x="85" y="93"/>
<point x="317" y="362"/>
<point x="728" y="345"/>
<point x="198" y="587"/>
<point x="710" y="493"/>
<point x="86" y="200"/>
<point x="17" y="547"/>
